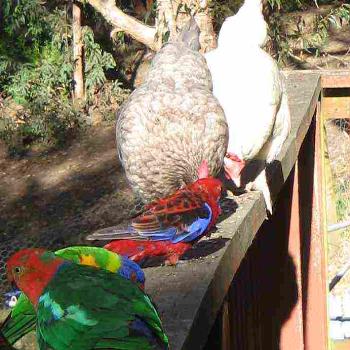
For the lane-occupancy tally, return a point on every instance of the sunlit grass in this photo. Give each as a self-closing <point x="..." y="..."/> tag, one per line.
<point x="342" y="194"/>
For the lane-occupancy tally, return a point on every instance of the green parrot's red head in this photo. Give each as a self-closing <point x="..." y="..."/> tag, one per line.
<point x="31" y="270"/>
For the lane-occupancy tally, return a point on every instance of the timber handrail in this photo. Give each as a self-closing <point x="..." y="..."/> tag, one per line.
<point x="190" y="295"/>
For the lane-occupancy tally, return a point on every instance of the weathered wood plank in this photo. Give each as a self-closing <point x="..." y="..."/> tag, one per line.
<point x="332" y="78"/>
<point x="292" y="333"/>
<point x="190" y="295"/>
<point x="337" y="107"/>
<point x="315" y="284"/>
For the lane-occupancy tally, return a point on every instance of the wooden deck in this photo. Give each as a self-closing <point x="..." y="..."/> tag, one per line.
<point x="248" y="295"/>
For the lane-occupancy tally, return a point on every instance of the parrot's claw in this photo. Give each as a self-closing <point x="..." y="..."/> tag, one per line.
<point x="172" y="260"/>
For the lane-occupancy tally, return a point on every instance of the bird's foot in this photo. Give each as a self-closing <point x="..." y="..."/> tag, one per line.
<point x="172" y="260"/>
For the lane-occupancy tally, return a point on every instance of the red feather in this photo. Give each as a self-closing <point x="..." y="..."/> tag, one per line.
<point x="173" y="211"/>
<point x="139" y="250"/>
<point x="167" y="211"/>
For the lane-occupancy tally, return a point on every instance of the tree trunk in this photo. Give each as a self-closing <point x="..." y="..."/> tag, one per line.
<point x="207" y="37"/>
<point x="122" y="22"/>
<point x="78" y="74"/>
<point x="168" y="20"/>
<point x="165" y="21"/>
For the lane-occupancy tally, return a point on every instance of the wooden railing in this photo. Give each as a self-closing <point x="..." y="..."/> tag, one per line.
<point x="260" y="284"/>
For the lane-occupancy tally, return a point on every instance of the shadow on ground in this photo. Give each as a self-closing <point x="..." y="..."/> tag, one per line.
<point x="56" y="199"/>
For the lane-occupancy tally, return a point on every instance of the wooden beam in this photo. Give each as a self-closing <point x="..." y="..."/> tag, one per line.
<point x="191" y="295"/>
<point x="315" y="245"/>
<point x="226" y="327"/>
<point x="335" y="79"/>
<point x="292" y="333"/>
<point x="336" y="107"/>
<point x="329" y="78"/>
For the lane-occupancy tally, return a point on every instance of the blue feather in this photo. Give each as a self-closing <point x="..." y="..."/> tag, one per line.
<point x="129" y="267"/>
<point x="196" y="229"/>
<point x="141" y="327"/>
<point x="11" y="298"/>
<point x="188" y="234"/>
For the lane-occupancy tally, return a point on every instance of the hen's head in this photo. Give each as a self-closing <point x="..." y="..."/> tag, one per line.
<point x="255" y="33"/>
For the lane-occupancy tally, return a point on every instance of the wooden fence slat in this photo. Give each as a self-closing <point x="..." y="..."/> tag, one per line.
<point x="226" y="327"/>
<point x="292" y="335"/>
<point x="315" y="283"/>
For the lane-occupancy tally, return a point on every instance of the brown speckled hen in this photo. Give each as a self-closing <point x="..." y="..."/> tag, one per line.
<point x="172" y="122"/>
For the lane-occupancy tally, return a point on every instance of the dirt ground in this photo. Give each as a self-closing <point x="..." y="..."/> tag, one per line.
<point x="54" y="198"/>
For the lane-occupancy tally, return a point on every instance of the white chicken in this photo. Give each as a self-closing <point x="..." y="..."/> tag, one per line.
<point x="250" y="88"/>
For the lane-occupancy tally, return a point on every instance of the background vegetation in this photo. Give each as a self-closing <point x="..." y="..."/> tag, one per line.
<point x="36" y="62"/>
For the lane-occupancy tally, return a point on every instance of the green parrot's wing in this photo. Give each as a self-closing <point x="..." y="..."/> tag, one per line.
<point x="88" y="308"/>
<point x="92" y="256"/>
<point x="20" y="321"/>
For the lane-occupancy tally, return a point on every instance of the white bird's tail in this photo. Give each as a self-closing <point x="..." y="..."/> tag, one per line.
<point x="282" y="126"/>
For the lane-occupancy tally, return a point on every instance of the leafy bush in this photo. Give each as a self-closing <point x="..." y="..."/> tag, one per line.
<point x="313" y="42"/>
<point x="36" y="69"/>
<point x="280" y="44"/>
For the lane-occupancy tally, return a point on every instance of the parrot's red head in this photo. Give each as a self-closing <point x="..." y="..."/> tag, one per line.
<point x="210" y="186"/>
<point x="31" y="270"/>
<point x="210" y="190"/>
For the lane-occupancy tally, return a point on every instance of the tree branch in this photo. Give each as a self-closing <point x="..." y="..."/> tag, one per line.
<point x="123" y="22"/>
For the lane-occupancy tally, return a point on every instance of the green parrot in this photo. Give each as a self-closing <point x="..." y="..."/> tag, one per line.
<point x="81" y="307"/>
<point x="22" y="319"/>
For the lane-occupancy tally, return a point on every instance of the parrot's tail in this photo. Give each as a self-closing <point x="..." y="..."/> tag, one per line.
<point x="14" y="328"/>
<point x="114" y="232"/>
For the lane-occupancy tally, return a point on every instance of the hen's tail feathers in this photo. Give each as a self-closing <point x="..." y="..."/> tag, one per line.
<point x="282" y="126"/>
<point x="260" y="184"/>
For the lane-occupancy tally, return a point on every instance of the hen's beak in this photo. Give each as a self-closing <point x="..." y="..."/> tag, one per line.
<point x="233" y="167"/>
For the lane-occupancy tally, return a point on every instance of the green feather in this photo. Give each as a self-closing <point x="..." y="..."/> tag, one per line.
<point x="20" y="321"/>
<point x="99" y="308"/>
<point x="22" y="318"/>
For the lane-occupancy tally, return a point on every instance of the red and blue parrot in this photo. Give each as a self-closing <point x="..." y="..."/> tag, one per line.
<point x="169" y="226"/>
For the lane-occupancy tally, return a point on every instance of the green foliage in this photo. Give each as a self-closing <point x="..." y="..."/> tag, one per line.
<point x="222" y="9"/>
<point x="36" y="70"/>
<point x="280" y="43"/>
<point x="311" y="43"/>
<point x="39" y="80"/>
<point x="96" y="63"/>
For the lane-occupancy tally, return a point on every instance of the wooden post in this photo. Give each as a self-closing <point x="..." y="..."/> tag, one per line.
<point x="315" y="277"/>
<point x="225" y="327"/>
<point x="292" y="334"/>
<point x="78" y="56"/>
